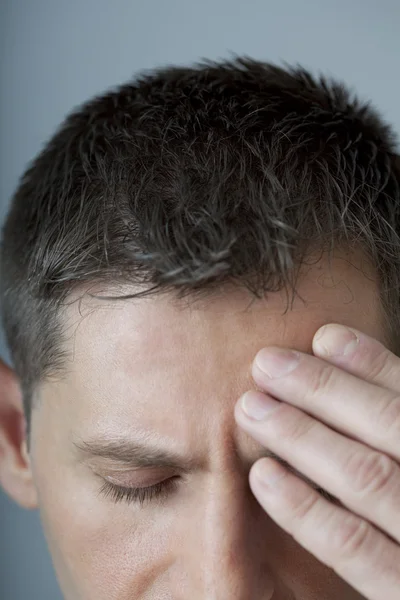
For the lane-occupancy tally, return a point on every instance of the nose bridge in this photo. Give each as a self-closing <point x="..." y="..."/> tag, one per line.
<point x="228" y="559"/>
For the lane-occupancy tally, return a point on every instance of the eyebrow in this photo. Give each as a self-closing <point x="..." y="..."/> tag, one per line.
<point x="145" y="454"/>
<point x="134" y="453"/>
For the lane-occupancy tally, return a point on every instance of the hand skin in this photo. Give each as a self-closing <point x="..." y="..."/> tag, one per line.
<point x="335" y="418"/>
<point x="154" y="371"/>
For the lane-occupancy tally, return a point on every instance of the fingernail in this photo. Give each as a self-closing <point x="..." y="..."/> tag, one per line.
<point x="257" y="405"/>
<point x="336" y="340"/>
<point x="276" y="363"/>
<point x="269" y="472"/>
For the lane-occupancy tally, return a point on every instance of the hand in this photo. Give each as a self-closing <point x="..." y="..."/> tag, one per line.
<point x="351" y="449"/>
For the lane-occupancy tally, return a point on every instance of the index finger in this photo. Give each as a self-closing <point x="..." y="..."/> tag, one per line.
<point x="359" y="354"/>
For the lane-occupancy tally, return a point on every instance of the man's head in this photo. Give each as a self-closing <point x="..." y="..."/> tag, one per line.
<point x="169" y="230"/>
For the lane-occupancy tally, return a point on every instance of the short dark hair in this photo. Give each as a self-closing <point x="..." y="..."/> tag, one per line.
<point x="186" y="179"/>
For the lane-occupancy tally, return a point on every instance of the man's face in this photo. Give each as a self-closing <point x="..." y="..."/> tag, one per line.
<point x="150" y="376"/>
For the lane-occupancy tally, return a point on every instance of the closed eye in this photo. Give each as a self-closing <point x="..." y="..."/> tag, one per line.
<point x="160" y="491"/>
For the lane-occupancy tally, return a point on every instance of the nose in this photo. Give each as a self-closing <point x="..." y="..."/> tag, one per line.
<point x="226" y="545"/>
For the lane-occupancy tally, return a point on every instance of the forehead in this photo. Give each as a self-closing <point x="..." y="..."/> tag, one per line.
<point x="135" y="361"/>
<point x="341" y="289"/>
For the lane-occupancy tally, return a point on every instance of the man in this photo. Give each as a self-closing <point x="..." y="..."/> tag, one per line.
<point x="179" y="243"/>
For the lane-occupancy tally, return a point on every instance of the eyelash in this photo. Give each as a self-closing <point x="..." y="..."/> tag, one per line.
<point x="159" y="491"/>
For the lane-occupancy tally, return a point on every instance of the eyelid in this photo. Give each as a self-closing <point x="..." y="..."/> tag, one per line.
<point x="158" y="492"/>
<point x="128" y="483"/>
<point x="130" y="476"/>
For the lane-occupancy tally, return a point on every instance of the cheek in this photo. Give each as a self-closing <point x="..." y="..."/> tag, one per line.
<point x="99" y="549"/>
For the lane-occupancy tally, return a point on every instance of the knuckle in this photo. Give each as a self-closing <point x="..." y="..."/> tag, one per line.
<point x="389" y="418"/>
<point x="298" y="426"/>
<point x="303" y="508"/>
<point x="370" y="472"/>
<point x="321" y="380"/>
<point x="351" y="537"/>
<point x="379" y="365"/>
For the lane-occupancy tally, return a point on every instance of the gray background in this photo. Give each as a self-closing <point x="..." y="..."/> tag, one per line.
<point x="56" y="54"/>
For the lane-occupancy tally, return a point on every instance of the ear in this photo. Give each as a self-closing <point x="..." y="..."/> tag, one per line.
<point x="15" y="470"/>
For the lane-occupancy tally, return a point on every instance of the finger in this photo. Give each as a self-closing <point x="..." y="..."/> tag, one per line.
<point x="359" y="354"/>
<point x="361" y="555"/>
<point x="355" y="407"/>
<point x="365" y="481"/>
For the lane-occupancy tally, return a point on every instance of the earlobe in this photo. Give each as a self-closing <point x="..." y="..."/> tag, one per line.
<point x="16" y="476"/>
